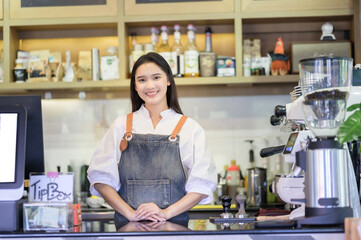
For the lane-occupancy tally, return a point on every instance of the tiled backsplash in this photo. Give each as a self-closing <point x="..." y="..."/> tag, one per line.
<point x="73" y="128"/>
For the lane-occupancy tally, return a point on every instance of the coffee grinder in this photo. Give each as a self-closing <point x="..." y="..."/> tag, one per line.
<point x="325" y="84"/>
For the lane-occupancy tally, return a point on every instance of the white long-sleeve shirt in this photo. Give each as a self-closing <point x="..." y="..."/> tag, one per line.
<point x="196" y="158"/>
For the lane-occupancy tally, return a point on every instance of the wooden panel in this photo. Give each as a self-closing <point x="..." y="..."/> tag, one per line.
<point x="18" y="12"/>
<point x="295" y="7"/>
<point x="221" y="6"/>
<point x="1" y="9"/>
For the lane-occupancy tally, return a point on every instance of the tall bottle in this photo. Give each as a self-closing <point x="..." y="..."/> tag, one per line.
<point x="133" y="41"/>
<point x="154" y="36"/>
<point x="208" y="34"/>
<point x="191" y="54"/>
<point x="164" y="48"/>
<point x="177" y="54"/>
<point x="207" y="59"/>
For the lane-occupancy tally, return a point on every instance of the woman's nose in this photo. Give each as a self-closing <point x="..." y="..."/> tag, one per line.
<point x="149" y="84"/>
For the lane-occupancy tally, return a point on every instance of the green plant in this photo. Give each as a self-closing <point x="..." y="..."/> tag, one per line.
<point x="351" y="128"/>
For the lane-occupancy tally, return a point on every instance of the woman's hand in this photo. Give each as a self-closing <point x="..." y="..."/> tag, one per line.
<point x="150" y="211"/>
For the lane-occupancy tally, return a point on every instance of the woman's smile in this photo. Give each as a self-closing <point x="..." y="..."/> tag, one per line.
<point x="151" y="94"/>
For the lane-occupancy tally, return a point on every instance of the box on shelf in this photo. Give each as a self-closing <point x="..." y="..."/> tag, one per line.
<point x="38" y="67"/>
<point x="303" y="50"/>
<point x="84" y="70"/>
<point x="109" y="67"/>
<point x="55" y="64"/>
<point x="226" y="66"/>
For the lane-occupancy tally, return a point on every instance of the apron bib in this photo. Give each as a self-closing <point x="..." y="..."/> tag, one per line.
<point x="150" y="170"/>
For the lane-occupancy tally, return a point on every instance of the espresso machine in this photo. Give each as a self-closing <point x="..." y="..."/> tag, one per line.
<point x="325" y="85"/>
<point x="322" y="181"/>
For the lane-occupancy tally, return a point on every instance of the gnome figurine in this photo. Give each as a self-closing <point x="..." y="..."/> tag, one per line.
<point x="280" y="63"/>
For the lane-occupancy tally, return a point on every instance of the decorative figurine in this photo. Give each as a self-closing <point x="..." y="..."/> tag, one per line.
<point x="69" y="72"/>
<point x="327" y="30"/>
<point x="280" y="63"/>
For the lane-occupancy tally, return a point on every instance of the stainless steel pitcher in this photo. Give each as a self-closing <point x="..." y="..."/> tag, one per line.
<point x="257" y="187"/>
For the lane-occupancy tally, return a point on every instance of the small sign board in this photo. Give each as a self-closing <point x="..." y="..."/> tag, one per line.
<point x="51" y="187"/>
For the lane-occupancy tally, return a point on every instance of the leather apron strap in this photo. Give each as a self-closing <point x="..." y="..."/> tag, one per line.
<point x="129" y="125"/>
<point x="128" y="130"/>
<point x="178" y="127"/>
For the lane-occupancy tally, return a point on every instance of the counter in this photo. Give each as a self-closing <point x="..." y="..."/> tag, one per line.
<point x="193" y="229"/>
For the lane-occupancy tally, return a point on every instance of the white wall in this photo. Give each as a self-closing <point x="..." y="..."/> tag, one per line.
<point x="72" y="128"/>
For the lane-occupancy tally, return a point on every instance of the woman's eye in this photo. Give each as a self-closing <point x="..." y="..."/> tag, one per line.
<point x="156" y="77"/>
<point x="141" y="80"/>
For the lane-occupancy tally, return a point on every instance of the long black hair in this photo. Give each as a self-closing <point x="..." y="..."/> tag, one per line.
<point x="172" y="97"/>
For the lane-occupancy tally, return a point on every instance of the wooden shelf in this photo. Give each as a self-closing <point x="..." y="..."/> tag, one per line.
<point x="237" y="20"/>
<point x="124" y="84"/>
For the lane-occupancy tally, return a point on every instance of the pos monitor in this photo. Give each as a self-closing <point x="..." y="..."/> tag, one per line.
<point x="34" y="153"/>
<point x="12" y="151"/>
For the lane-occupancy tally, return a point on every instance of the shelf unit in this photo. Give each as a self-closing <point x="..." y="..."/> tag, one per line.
<point x="233" y="22"/>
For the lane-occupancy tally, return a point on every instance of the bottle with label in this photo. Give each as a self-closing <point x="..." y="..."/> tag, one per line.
<point x="207" y="59"/>
<point x="191" y="54"/>
<point x="133" y="41"/>
<point x="164" y="48"/>
<point x="233" y="180"/>
<point x="177" y="54"/>
<point x="137" y="53"/>
<point x="208" y="33"/>
<point x="154" y="37"/>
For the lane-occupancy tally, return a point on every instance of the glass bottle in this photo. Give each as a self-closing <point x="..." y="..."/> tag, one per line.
<point x="133" y="42"/>
<point x="164" y="48"/>
<point x="154" y="37"/>
<point x="191" y="54"/>
<point x="177" y="54"/>
<point x="208" y="33"/>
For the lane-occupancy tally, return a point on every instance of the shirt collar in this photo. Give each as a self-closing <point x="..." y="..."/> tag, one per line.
<point x="165" y="114"/>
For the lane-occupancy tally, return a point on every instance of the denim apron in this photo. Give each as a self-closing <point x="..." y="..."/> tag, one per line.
<point x="150" y="170"/>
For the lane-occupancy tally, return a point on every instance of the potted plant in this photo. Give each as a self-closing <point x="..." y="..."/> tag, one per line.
<point x="351" y="128"/>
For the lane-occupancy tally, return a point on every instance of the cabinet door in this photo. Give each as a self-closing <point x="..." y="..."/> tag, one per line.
<point x="30" y="9"/>
<point x="274" y="8"/>
<point x="164" y="7"/>
<point x="1" y="9"/>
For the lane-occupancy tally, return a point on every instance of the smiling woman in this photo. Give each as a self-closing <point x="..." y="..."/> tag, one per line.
<point x="154" y="163"/>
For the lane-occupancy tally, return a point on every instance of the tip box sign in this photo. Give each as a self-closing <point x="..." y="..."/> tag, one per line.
<point x="52" y="187"/>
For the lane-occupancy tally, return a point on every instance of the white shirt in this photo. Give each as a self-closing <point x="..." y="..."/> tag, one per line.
<point x="196" y="158"/>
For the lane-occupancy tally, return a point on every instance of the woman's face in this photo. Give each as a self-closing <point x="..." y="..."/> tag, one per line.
<point x="151" y="85"/>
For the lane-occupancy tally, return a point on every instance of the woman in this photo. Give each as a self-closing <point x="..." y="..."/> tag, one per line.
<point x="153" y="164"/>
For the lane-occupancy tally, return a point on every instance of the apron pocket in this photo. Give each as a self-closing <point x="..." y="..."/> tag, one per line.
<point x="145" y="191"/>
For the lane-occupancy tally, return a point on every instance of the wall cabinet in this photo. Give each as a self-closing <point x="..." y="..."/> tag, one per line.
<point x="295" y="8"/>
<point x="79" y="28"/>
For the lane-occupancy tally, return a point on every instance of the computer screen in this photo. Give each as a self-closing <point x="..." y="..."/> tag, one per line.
<point x="34" y="154"/>
<point x="12" y="151"/>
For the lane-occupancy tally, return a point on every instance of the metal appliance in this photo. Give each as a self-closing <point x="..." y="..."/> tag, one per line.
<point x="321" y="199"/>
<point x="257" y="187"/>
<point x="325" y="85"/>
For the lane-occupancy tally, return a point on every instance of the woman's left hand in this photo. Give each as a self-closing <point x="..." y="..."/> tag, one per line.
<point x="150" y="211"/>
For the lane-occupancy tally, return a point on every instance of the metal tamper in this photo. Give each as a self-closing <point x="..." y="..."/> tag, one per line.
<point x="226" y="203"/>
